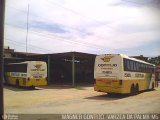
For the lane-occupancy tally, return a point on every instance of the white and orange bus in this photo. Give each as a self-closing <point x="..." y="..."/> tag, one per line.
<point x="26" y="74"/>
<point x="118" y="73"/>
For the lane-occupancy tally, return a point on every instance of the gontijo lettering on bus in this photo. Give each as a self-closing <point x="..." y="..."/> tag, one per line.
<point x="107" y="65"/>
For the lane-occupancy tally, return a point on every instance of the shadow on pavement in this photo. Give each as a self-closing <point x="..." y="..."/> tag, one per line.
<point x="115" y="96"/>
<point x="66" y="86"/>
<point x="18" y="89"/>
<point x="57" y="87"/>
<point x="108" y="97"/>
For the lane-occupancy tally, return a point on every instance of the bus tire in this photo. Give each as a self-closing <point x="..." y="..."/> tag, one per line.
<point x="32" y="87"/>
<point x="137" y="89"/>
<point x="132" y="91"/>
<point x="17" y="83"/>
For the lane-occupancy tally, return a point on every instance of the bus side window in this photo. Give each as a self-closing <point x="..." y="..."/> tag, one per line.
<point x="150" y="68"/>
<point x="142" y="67"/>
<point x="145" y="68"/>
<point x="138" y="66"/>
<point x="128" y="65"/>
<point x="135" y="66"/>
<point x="124" y="64"/>
<point x="131" y="65"/>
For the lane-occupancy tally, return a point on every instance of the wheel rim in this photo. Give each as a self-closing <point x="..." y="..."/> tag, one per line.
<point x="132" y="90"/>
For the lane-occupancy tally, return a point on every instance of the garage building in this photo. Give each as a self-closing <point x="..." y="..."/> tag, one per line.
<point x="69" y="68"/>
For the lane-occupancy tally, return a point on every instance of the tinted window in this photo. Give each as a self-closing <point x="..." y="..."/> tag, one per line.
<point x="16" y="68"/>
<point x="128" y="65"/>
<point x="134" y="66"/>
<point x="138" y="66"/>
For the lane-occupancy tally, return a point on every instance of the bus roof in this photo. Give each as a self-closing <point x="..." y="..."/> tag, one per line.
<point x="130" y="58"/>
<point x="134" y="59"/>
<point x="24" y="62"/>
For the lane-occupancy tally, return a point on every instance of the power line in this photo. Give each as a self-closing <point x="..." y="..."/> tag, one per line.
<point x="74" y="12"/>
<point x="79" y="14"/>
<point x="45" y="40"/>
<point x="97" y="36"/>
<point x="77" y="42"/>
<point x="68" y="9"/>
<point x="61" y="38"/>
<point x="23" y="44"/>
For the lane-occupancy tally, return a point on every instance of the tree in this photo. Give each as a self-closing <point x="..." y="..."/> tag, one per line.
<point x="154" y="60"/>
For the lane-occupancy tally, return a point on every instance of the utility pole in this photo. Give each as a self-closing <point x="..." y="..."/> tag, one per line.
<point x="2" y="14"/>
<point x="27" y="31"/>
<point x="73" y="69"/>
<point x="48" y="67"/>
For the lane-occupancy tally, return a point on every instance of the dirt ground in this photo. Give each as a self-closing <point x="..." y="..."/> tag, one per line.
<point x="61" y="100"/>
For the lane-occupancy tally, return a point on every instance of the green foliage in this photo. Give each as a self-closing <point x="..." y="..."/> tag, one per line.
<point x="154" y="60"/>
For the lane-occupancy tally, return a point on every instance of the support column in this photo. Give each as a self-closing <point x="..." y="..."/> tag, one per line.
<point x="2" y="12"/>
<point x="73" y="69"/>
<point x="48" y="68"/>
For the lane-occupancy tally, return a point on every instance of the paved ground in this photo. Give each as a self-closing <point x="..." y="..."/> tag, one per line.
<point x="77" y="100"/>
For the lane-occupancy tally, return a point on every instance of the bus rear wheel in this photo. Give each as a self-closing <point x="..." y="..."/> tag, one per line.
<point x="133" y="90"/>
<point x="137" y="89"/>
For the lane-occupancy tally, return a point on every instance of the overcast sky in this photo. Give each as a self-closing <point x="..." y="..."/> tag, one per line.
<point x="130" y="27"/>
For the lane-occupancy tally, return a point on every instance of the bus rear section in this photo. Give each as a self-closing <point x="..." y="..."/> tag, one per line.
<point x="107" y="73"/>
<point x="123" y="74"/>
<point x="37" y="73"/>
<point x="26" y="74"/>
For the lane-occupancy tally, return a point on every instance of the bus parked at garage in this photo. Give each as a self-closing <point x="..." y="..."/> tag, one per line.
<point x="26" y="74"/>
<point x="118" y="73"/>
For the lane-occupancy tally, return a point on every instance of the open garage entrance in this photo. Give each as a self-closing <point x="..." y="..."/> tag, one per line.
<point x="68" y="68"/>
